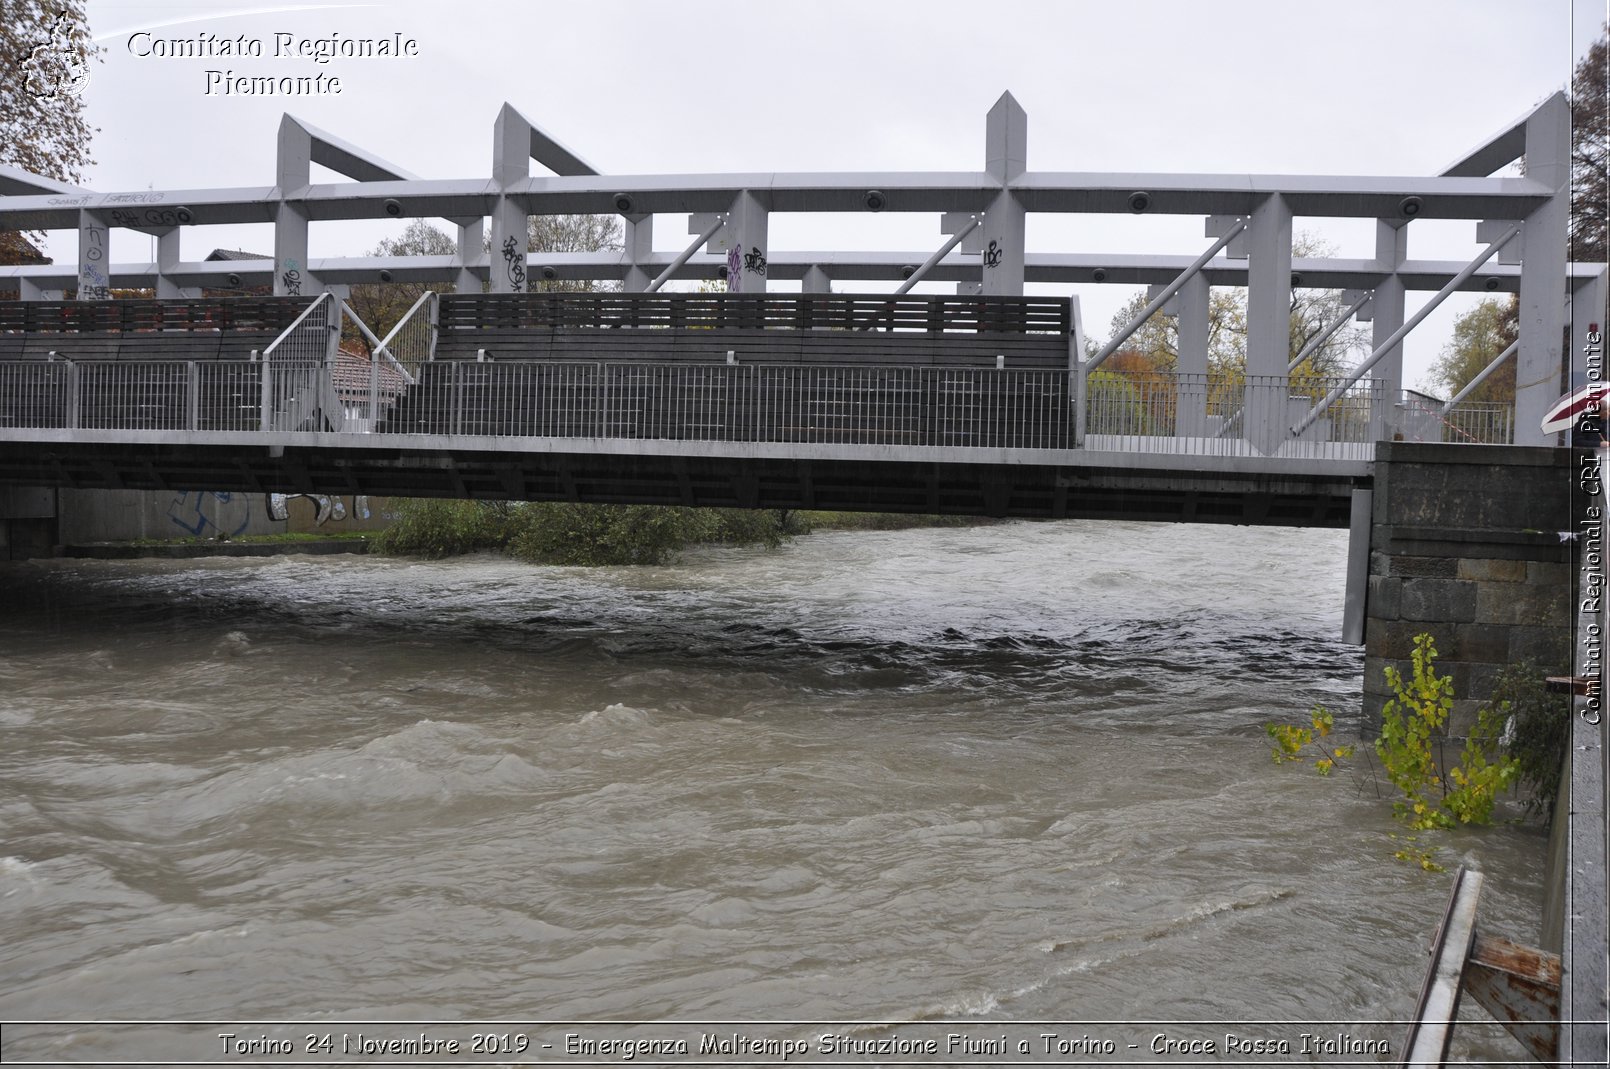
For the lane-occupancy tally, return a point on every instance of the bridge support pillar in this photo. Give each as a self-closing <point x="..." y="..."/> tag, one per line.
<point x="744" y="241"/>
<point x="1191" y="304"/>
<point x="94" y="257"/>
<point x="1391" y="249"/>
<point x="1358" y="567"/>
<point x="167" y="261"/>
<point x="294" y="163"/>
<point x="470" y="236"/>
<point x="1268" y="323"/>
<point x="1539" y="369"/>
<point x="816" y="280"/>
<point x="1006" y="136"/>
<point x="1464" y="546"/>
<point x="637" y="234"/>
<point x="511" y="163"/>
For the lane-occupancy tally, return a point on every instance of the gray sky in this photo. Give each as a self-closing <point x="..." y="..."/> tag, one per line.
<point x="1400" y="87"/>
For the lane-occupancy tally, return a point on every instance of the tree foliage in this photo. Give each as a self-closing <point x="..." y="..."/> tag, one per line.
<point x="381" y="304"/>
<point x="572" y="533"/>
<point x="1156" y="343"/>
<point x="1590" y="154"/>
<point x="1478" y="337"/>
<point x="45" y="52"/>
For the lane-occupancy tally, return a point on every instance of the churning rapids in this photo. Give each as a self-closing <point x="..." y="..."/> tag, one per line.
<point x="991" y="774"/>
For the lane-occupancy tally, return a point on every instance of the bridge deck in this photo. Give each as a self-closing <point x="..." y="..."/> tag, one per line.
<point x="650" y="383"/>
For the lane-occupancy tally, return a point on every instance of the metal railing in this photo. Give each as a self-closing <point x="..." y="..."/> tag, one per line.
<point x="831" y="404"/>
<point x="1226" y="415"/>
<point x="370" y="388"/>
<point x="155" y="395"/>
<point x="1025" y="409"/>
<point x="1466" y="423"/>
<point x="297" y="391"/>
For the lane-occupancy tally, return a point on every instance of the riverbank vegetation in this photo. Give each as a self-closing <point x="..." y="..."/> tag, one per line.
<point x="571" y="533"/>
<point x="1516" y="742"/>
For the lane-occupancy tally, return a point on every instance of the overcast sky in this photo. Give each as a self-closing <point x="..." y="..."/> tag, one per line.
<point x="1385" y="87"/>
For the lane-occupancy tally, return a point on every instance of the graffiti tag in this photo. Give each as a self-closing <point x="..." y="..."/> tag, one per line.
<point x="514" y="264"/>
<point x="206" y="512"/>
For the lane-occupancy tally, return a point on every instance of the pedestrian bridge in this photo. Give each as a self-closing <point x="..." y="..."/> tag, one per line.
<point x="975" y="403"/>
<point x="973" y="379"/>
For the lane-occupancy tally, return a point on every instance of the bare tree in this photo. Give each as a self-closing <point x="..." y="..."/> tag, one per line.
<point x="45" y="53"/>
<point x="1590" y="154"/>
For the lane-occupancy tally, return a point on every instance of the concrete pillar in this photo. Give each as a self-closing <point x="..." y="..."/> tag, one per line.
<point x="470" y="251"/>
<point x="94" y="257"/>
<point x="1539" y="378"/>
<point x="167" y="262"/>
<point x="1356" y="596"/>
<point x="745" y="233"/>
<point x="1391" y="249"/>
<point x="637" y="236"/>
<point x="1268" y="322"/>
<point x="511" y="164"/>
<point x="816" y="280"/>
<point x="1191" y="306"/>
<point x="294" y="161"/>
<point x="1003" y="232"/>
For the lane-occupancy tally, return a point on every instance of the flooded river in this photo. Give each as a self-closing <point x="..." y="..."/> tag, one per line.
<point x="920" y="783"/>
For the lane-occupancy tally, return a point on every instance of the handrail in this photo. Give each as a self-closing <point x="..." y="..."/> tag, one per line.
<point x="380" y="345"/>
<point x="286" y="333"/>
<point x="383" y="347"/>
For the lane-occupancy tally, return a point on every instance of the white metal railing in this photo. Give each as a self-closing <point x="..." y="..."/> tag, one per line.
<point x="295" y="386"/>
<point x="856" y="405"/>
<point x="1466" y="423"/>
<point x="1226" y="415"/>
<point x="1019" y="408"/>
<point x="146" y="395"/>
<point x="369" y="389"/>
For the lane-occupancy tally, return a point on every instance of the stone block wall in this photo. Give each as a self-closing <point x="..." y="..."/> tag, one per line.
<point x="1465" y="545"/>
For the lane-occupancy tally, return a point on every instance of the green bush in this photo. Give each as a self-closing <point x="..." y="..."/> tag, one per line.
<point x="426" y="527"/>
<point x="1417" y="714"/>
<point x="556" y="532"/>
<point x="1538" y="724"/>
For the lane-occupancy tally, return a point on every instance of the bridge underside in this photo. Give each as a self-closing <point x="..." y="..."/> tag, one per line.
<point x="1042" y="491"/>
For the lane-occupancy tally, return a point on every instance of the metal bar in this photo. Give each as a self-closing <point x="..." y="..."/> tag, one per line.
<point x="383" y="346"/>
<point x="685" y="255"/>
<point x="1162" y="298"/>
<point x="1426" y="1045"/>
<point x="286" y="333"/>
<point x="1586" y="945"/>
<point x="1325" y="335"/>
<point x="1358" y="567"/>
<point x="1470" y="386"/>
<point x="944" y="250"/>
<point x="1403" y="331"/>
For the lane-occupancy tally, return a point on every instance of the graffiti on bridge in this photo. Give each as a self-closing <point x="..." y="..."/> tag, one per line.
<point x="325" y="507"/>
<point x="207" y="513"/>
